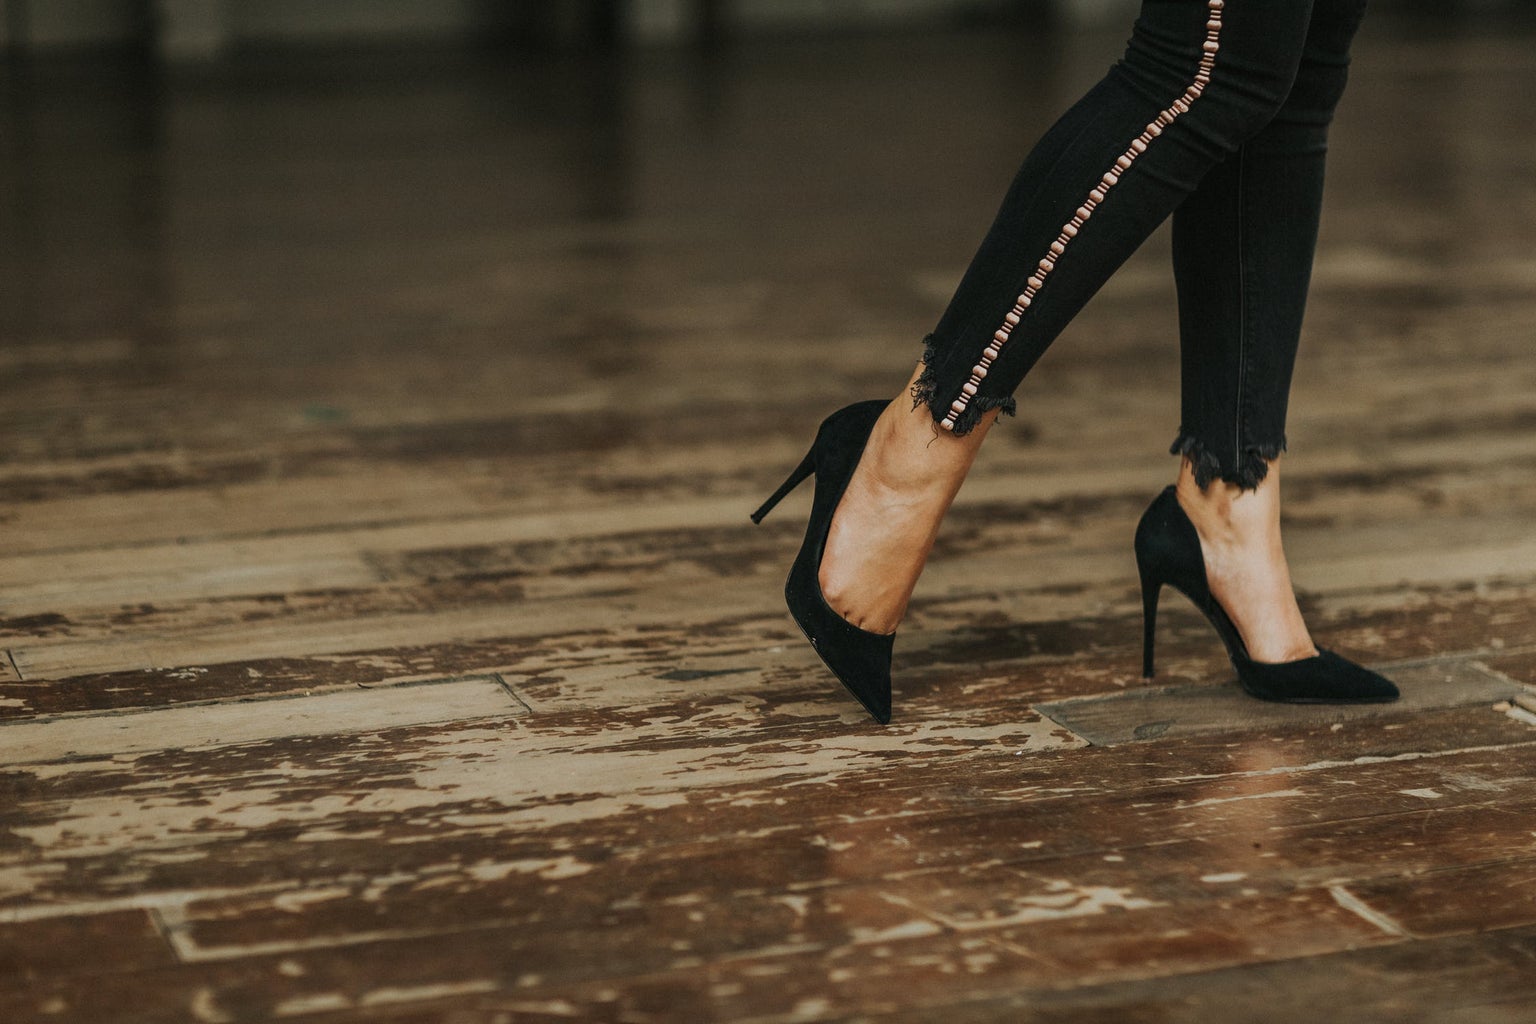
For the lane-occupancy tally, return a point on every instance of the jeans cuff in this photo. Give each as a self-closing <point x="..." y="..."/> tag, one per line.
<point x="924" y="391"/>
<point x="1246" y="468"/>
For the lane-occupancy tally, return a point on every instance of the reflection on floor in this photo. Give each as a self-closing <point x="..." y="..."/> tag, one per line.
<point x="384" y="636"/>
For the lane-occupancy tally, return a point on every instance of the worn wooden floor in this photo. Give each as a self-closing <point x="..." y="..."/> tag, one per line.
<point x="384" y="637"/>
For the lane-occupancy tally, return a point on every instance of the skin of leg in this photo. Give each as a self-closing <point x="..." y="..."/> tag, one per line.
<point x="888" y="518"/>
<point x="1245" y="562"/>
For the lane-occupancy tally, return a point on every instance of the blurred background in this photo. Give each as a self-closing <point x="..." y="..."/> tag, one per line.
<point x="202" y="29"/>
<point x="256" y="239"/>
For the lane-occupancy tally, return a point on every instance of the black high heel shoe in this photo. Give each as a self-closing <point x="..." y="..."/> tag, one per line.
<point x="1168" y="552"/>
<point x="860" y="660"/>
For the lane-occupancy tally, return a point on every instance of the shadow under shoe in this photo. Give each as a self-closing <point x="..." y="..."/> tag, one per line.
<point x="1168" y="553"/>
<point x="859" y="659"/>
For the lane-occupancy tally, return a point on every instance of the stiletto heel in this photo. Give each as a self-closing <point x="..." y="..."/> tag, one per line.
<point x="861" y="660"/>
<point x="1168" y="552"/>
<point x="1150" y="590"/>
<point x="806" y="468"/>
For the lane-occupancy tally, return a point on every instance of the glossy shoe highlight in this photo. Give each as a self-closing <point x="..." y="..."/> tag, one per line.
<point x="1168" y="552"/>
<point x="861" y="660"/>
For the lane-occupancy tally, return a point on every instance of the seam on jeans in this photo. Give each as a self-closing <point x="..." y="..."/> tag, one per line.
<point x="1242" y="304"/>
<point x="1138" y="146"/>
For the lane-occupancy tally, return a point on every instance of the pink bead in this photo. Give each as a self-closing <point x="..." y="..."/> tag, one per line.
<point x="1096" y="195"/>
<point x="1181" y="106"/>
<point x="958" y="405"/>
<point x="1217" y="5"/>
<point x="947" y="423"/>
<point x="1057" y="247"/>
<point x="1196" y="89"/>
<point x="1124" y="162"/>
<point x="1203" y="78"/>
<point x="1154" y="129"/>
<point x="1000" y="336"/>
<point x="1214" y="24"/>
<point x="1083" y="213"/>
<point x="1139" y="146"/>
<point x="969" y="389"/>
<point x="1035" y="283"/>
<point x="1110" y="180"/>
<point x="990" y="354"/>
<point x="1012" y="318"/>
<point x="1020" y="305"/>
<point x="1211" y="46"/>
<point x="1070" y="230"/>
<point x="978" y="371"/>
<point x="1046" y="264"/>
<point x="1025" y="300"/>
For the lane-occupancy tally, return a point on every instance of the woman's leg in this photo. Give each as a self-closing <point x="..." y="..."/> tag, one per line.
<point x="1199" y="78"/>
<point x="1242" y="256"/>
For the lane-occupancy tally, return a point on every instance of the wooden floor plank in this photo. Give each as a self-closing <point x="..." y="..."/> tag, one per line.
<point x="1429" y="982"/>
<point x="80" y="946"/>
<point x="105" y="735"/>
<point x="483" y="799"/>
<point x="1457" y="899"/>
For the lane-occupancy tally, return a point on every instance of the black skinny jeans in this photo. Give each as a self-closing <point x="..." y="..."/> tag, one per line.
<point x="1218" y="114"/>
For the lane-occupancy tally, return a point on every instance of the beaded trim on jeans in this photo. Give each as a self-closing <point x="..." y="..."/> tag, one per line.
<point x="1095" y="197"/>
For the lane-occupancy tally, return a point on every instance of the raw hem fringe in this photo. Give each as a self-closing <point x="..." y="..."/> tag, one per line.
<point x="923" y="394"/>
<point x="1252" y="467"/>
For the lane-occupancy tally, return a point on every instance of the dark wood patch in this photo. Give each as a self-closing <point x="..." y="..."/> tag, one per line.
<point x="1496" y="893"/>
<point x="1453" y="979"/>
<point x="32" y="952"/>
<point x="1151" y="714"/>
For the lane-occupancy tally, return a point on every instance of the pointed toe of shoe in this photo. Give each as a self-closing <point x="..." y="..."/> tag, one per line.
<point x="879" y="706"/>
<point x="1323" y="679"/>
<point x="860" y="661"/>
<point x="864" y="673"/>
<point x="1356" y="684"/>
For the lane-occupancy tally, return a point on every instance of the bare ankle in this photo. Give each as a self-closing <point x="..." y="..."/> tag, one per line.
<point x="911" y="456"/>
<point x="1228" y="515"/>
